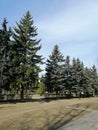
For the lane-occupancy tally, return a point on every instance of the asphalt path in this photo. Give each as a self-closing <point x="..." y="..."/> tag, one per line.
<point x="87" y="122"/>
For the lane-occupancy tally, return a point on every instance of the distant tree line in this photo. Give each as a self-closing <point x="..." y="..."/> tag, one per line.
<point x="20" y="65"/>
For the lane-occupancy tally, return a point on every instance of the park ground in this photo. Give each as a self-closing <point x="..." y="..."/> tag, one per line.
<point x="40" y="114"/>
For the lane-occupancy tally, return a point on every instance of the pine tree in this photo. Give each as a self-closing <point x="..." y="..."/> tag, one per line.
<point x="77" y="76"/>
<point x="5" y="57"/>
<point x="67" y="74"/>
<point x="94" y="75"/>
<point x="94" y="78"/>
<point x="27" y="47"/>
<point x="87" y="82"/>
<point x="54" y="78"/>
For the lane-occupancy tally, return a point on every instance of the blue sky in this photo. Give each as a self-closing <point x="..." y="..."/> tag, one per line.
<point x="72" y="24"/>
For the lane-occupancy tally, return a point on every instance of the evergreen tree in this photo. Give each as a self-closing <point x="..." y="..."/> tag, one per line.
<point x="74" y="75"/>
<point x="95" y="79"/>
<point x="54" y="78"/>
<point x="67" y="74"/>
<point x="77" y="76"/>
<point x="87" y="82"/>
<point x="5" y="56"/>
<point x="27" y="47"/>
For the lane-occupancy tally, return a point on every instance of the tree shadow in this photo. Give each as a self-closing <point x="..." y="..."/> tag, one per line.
<point x="82" y="106"/>
<point x="14" y="101"/>
<point x="60" y="119"/>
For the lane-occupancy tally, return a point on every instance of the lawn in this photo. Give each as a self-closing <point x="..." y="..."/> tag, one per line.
<point x="41" y="115"/>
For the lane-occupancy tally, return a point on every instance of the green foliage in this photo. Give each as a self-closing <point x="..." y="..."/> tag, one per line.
<point x="71" y="78"/>
<point x="54" y="77"/>
<point x="20" y="64"/>
<point x="41" y="88"/>
<point x="19" y="61"/>
<point x="68" y="74"/>
<point x="27" y="46"/>
<point x="5" y="55"/>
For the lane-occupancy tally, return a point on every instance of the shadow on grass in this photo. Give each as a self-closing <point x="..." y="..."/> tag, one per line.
<point x="14" y="101"/>
<point x="82" y="105"/>
<point x="41" y="100"/>
<point x="53" y="120"/>
<point x="61" y="119"/>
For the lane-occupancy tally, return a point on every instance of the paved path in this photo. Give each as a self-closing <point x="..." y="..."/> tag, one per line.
<point x="87" y="122"/>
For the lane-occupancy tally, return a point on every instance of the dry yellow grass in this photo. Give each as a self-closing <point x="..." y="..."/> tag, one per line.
<point x="90" y="103"/>
<point x="42" y="115"/>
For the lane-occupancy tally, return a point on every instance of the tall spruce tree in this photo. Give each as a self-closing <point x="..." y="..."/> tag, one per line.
<point x="27" y="47"/>
<point x="54" y="78"/>
<point x="87" y="82"/>
<point x="79" y="74"/>
<point x="67" y="74"/>
<point x="5" y="61"/>
<point x="73" y="75"/>
<point x="77" y="69"/>
<point x="94" y="76"/>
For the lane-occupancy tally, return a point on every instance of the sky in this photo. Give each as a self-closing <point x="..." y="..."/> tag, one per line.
<point x="71" y="24"/>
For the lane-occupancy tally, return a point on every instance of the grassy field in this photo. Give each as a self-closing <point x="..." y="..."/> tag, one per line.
<point x="41" y="115"/>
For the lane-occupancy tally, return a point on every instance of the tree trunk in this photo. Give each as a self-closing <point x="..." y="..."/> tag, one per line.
<point x="22" y="92"/>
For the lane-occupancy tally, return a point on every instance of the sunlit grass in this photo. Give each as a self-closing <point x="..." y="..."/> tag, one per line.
<point x="43" y="115"/>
